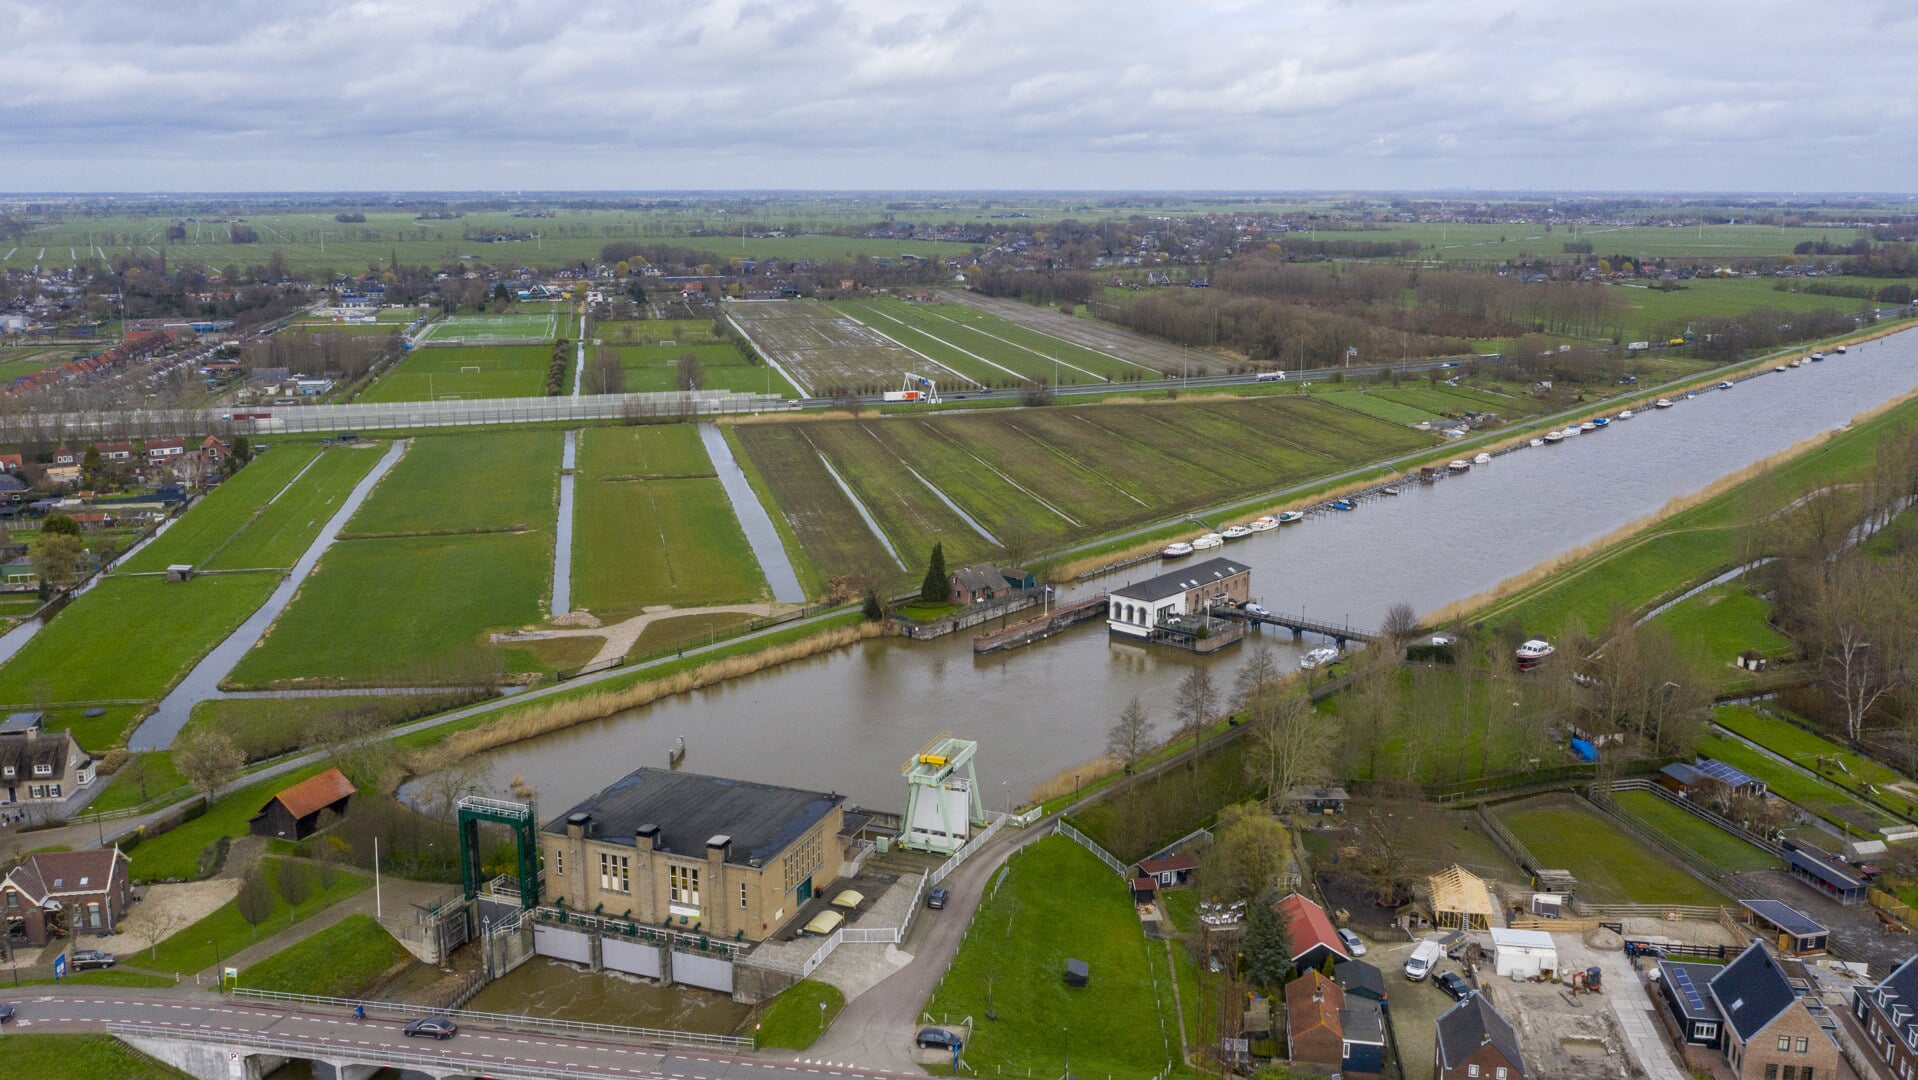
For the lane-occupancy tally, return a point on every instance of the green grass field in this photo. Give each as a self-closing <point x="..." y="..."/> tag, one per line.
<point x="663" y="541"/>
<point x="1040" y="478"/>
<point x="223" y="513"/>
<point x="225" y="932"/>
<point x="795" y="1019"/>
<point x="82" y="1057"/>
<point x="986" y="348"/>
<point x="1058" y="902"/>
<point x="1446" y="727"/>
<point x="487" y="482"/>
<point x="438" y="596"/>
<point x="130" y="638"/>
<point x="1810" y="794"/>
<point x="1788" y="740"/>
<point x="466" y="373"/>
<point x="483" y="329"/>
<point x="654" y="369"/>
<point x="174" y="855"/>
<point x="1612" y="867"/>
<point x="96" y="734"/>
<point x="1721" y="622"/>
<point x="1378" y="405"/>
<point x="655" y="332"/>
<point x="267" y="727"/>
<point x="1654" y="311"/>
<point x="282" y="532"/>
<point x="1709" y="842"/>
<point x="123" y="789"/>
<point x="339" y="961"/>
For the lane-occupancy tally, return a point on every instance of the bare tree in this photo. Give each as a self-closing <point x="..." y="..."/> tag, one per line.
<point x="1259" y="673"/>
<point x="1195" y="703"/>
<point x="295" y="885"/>
<point x="351" y="741"/>
<point x="604" y="373"/>
<point x="208" y="761"/>
<point x="1862" y="622"/>
<point x="1131" y="736"/>
<point x="447" y="776"/>
<point x="1290" y="747"/>
<point x="254" y="901"/>
<point x="1401" y="624"/>
<point x="687" y="373"/>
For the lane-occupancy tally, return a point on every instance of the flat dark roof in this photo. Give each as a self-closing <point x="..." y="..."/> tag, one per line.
<point x="1209" y="572"/>
<point x="1784" y="916"/>
<point x="690" y="809"/>
<point x="1830" y="873"/>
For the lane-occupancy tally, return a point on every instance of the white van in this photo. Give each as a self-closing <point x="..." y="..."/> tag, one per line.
<point x="1423" y="959"/>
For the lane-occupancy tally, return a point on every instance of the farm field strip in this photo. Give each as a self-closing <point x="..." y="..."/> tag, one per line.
<point x="489" y="482"/>
<point x="1107" y="338"/>
<point x="222" y="513"/>
<point x="912" y="339"/>
<point x="1043" y="346"/>
<point x="1379" y="406"/>
<point x="958" y="328"/>
<point x="824" y="523"/>
<point x="282" y="531"/>
<point x="941" y="496"/>
<point x="994" y="469"/>
<point x="865" y="512"/>
<point x="822" y="350"/>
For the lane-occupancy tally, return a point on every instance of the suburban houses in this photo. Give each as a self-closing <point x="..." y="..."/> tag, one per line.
<point x="65" y="894"/>
<point x="39" y="766"/>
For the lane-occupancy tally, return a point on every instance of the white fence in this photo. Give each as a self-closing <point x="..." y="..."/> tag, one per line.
<point x="1086" y="842"/>
<point x="811" y="963"/>
<point x="959" y="857"/>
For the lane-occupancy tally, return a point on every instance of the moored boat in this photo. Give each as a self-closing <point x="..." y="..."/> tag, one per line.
<point x="1290" y="516"/>
<point x="1482" y="459"/>
<point x="1460" y="465"/>
<point x="1800" y="362"/>
<point x="1602" y="421"/>
<point x="1178" y="549"/>
<point x="1725" y="384"/>
<point x="1817" y="357"/>
<point x="1780" y="367"/>
<point x="1533" y="653"/>
<point x="1690" y="394"/>
<point x="1343" y="504"/>
<point x="1236" y="532"/>
<point x="1536" y="442"/>
<point x="1207" y="542"/>
<point x="1388" y="491"/>
<point x="1840" y="350"/>
<point x="1627" y="415"/>
<point x="1264" y="524"/>
<point x="1663" y="403"/>
<point x="1589" y="425"/>
<point x="1553" y="438"/>
<point x="1318" y="657"/>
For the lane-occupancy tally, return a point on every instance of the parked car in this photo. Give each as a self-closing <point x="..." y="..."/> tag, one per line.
<point x="1441" y="640"/>
<point x="1354" y="945"/>
<point x="433" y="1027"/>
<point x="1424" y="956"/>
<point x="936" y="899"/>
<point x="937" y="1039"/>
<point x="6" y="1012"/>
<point x="1453" y="983"/>
<point x="91" y="958"/>
<point x="1255" y="609"/>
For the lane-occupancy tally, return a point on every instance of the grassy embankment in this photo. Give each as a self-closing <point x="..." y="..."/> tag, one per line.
<point x="82" y="1057"/>
<point x="339" y="961"/>
<point x="223" y="933"/>
<point x="798" y="1016"/>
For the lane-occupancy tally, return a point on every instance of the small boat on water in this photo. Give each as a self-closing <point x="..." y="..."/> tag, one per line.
<point x="1290" y="516"/>
<point x="1725" y="385"/>
<point x="1264" y="524"/>
<point x="1779" y="368"/>
<point x="1589" y="425"/>
<point x="1800" y="362"/>
<point x="1602" y="421"/>
<point x="1236" y="532"/>
<point x="1663" y="403"/>
<point x="1388" y="491"/>
<point x="1570" y="430"/>
<point x="1207" y="542"/>
<point x="1690" y="394"/>
<point x="1533" y="653"/>
<point x="1317" y="658"/>
<point x="1627" y="415"/>
<point x="1460" y="465"/>
<point x="1536" y="442"/>
<point x="1178" y="549"/>
<point x="1343" y="504"/>
<point x="1553" y="438"/>
<point x="1482" y="459"/>
<point x="1840" y="350"/>
<point x="1817" y="358"/>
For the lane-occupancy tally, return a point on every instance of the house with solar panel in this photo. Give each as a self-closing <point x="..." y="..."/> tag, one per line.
<point x="1770" y="1030"/>
<point x="1738" y="781"/>
<point x="1793" y="932"/>
<point x="1889" y="1014"/>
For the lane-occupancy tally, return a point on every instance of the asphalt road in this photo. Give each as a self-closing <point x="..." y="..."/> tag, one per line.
<point x="218" y="1022"/>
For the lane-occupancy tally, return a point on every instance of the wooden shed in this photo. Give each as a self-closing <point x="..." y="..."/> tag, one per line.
<point x="1460" y="900"/>
<point x="294" y="814"/>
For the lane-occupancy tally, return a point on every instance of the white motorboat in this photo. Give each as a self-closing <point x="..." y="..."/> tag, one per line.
<point x="1553" y="438"/>
<point x="1800" y="362"/>
<point x="1570" y="430"/>
<point x="1178" y="549"/>
<point x="1388" y="491"/>
<point x="1663" y="403"/>
<point x="1817" y="358"/>
<point x="1482" y="459"/>
<point x="1725" y="385"/>
<point x="1290" y="516"/>
<point x="1536" y="442"/>
<point x="1588" y="426"/>
<point x="1534" y="652"/>
<point x="1779" y="368"/>
<point x="1264" y="524"/>
<point x="1236" y="532"/>
<point x="1627" y="415"/>
<point x="1318" y="658"/>
<point x="1460" y="465"/>
<point x="1840" y="350"/>
<point x="1207" y="542"/>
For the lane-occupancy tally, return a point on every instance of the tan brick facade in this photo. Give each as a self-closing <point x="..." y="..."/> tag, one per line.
<point x="1791" y="1047"/>
<point x="627" y="877"/>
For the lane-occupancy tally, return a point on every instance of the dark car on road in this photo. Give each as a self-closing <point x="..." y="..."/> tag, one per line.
<point x="1454" y="984"/>
<point x="433" y="1027"/>
<point x="91" y="958"/>
<point x="936" y="899"/>
<point x="937" y="1039"/>
<point x="6" y="1012"/>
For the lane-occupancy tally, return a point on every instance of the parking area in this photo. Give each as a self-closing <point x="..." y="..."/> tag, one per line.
<point x="1415" y="1006"/>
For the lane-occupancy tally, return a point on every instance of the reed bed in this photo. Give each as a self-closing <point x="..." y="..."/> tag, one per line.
<point x="1072" y="778"/>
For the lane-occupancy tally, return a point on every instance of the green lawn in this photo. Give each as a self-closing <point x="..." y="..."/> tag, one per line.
<point x="447" y="374"/>
<point x="130" y="638"/>
<point x="1721" y="622"/>
<point x="96" y="734"/>
<point x="485" y="482"/>
<point x="109" y="977"/>
<point x="224" y="511"/>
<point x="649" y="452"/>
<point x="655" y="368"/>
<point x="437" y="597"/>
<point x="660" y="542"/>
<point x="1787" y="739"/>
<point x="1058" y="902"/>
<point x="267" y="727"/>
<point x="175" y="854"/>
<point x="1373" y="405"/>
<point x="224" y="932"/>
<point x="794" y="1019"/>
<point x="123" y="788"/>
<point x="281" y="533"/>
<point x="1612" y="867"/>
<point x="1653" y="310"/>
<point x="1693" y="833"/>
<point x="339" y="961"/>
<point x="1811" y="794"/>
<point x="81" y="1057"/>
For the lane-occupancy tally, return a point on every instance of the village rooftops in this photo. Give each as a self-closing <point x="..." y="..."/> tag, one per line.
<point x="1472" y="1023"/>
<point x="1180" y="582"/>
<point x="1751" y="991"/>
<point x="18" y="722"/>
<point x="687" y="811"/>
<point x="1897" y="997"/>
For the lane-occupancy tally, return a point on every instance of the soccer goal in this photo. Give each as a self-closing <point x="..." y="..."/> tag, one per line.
<point x="469" y="369"/>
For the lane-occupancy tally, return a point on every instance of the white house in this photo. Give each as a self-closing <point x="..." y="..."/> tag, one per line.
<point x="1523" y="953"/>
<point x="1133" y="610"/>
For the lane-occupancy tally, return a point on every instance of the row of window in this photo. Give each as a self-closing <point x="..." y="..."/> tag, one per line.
<point x="1790" y="1072"/>
<point x="43" y="791"/>
<point x="1497" y="1074"/>
<point x="615" y="876"/>
<point x="8" y="771"/>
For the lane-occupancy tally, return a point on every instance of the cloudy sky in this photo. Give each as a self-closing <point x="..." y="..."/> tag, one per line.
<point x="1712" y="95"/>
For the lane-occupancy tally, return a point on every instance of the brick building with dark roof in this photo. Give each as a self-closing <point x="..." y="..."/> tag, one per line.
<point x="64" y="893"/>
<point x="1475" y="1040"/>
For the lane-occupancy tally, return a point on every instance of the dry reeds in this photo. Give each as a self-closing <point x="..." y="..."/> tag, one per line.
<point x="543" y="719"/>
<point x="1475" y="605"/>
<point x="1073" y="778"/>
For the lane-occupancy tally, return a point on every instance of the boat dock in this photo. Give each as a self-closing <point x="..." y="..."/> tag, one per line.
<point x="1301" y="626"/>
<point x="1027" y="631"/>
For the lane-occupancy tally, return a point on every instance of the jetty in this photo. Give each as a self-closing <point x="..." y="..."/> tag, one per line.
<point x="1027" y="631"/>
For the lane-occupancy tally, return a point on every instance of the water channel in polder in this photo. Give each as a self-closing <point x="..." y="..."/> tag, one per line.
<point x="845" y="721"/>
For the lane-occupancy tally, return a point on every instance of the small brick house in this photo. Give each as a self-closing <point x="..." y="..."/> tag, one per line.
<point x="1313" y="1033"/>
<point x="1476" y="1042"/>
<point x="65" y="893"/>
<point x="1769" y="1033"/>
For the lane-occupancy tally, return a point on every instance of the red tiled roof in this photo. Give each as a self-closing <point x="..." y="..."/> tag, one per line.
<point x="309" y="796"/>
<point x="1145" y="884"/>
<point x="1171" y="863"/>
<point x="1308" y="927"/>
<point x="1304" y="1014"/>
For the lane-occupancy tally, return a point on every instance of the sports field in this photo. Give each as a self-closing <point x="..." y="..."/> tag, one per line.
<point x="466" y="373"/>
<point x="825" y="350"/>
<point x="655" y="368"/>
<point x="496" y="481"/>
<point x="514" y="328"/>
<point x="1038" y="478"/>
<point x="654" y="525"/>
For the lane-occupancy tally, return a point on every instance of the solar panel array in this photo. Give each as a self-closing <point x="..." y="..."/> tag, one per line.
<point x="1723" y="773"/>
<point x="1784" y="916"/>
<point x="1682" y="979"/>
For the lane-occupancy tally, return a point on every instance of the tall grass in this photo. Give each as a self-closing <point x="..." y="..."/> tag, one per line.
<point x="543" y="719"/>
<point x="1073" y="778"/>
